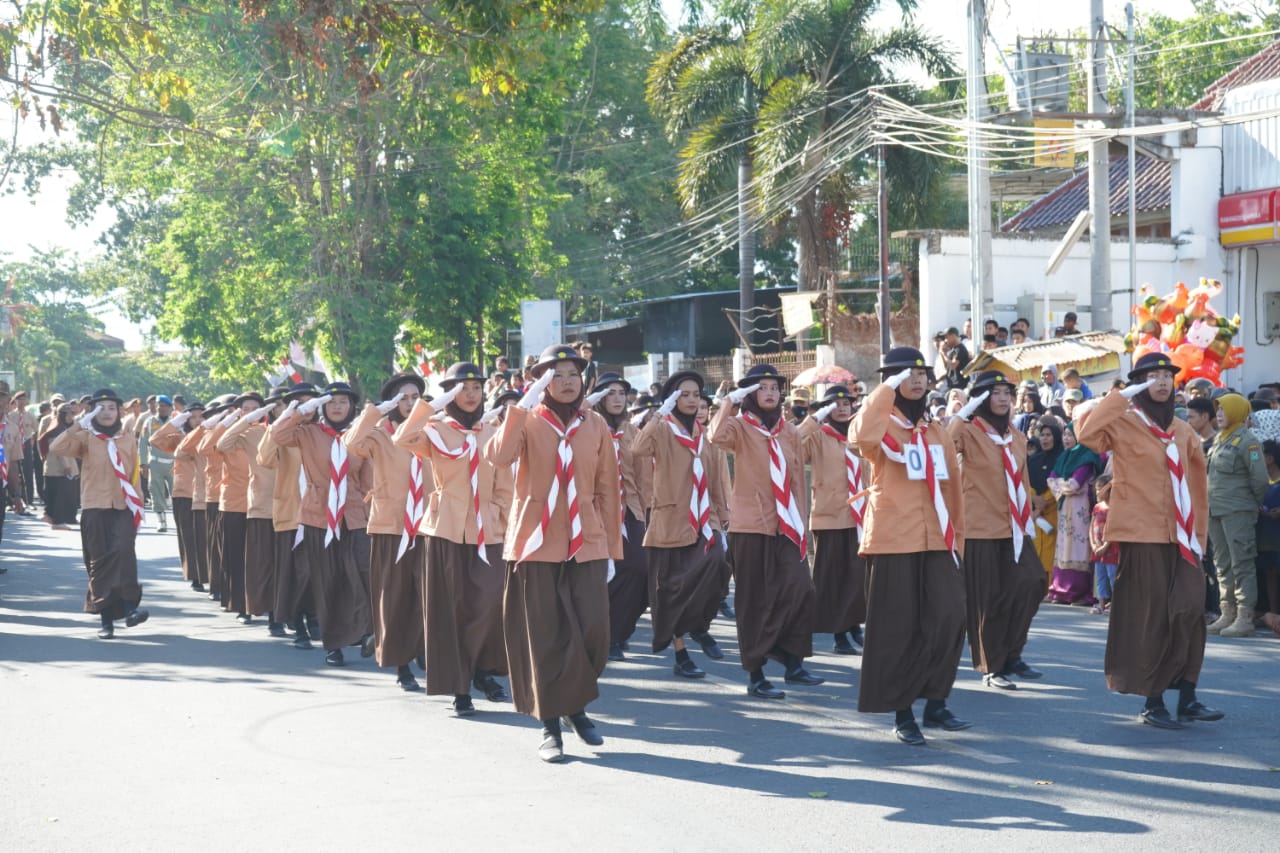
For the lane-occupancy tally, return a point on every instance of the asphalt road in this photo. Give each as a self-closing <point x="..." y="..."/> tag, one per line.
<point x="193" y="732"/>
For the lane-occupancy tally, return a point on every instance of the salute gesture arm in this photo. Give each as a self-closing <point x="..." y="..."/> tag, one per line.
<point x="86" y="420"/>
<point x="1134" y="390"/>
<point x="668" y="405"/>
<point x="966" y="412"/>
<point x="737" y="395"/>
<point x="388" y="405"/>
<point x="593" y="399"/>
<point x="534" y="394"/>
<point x="313" y="404"/>
<point x="446" y="398"/>
<point x="824" y="413"/>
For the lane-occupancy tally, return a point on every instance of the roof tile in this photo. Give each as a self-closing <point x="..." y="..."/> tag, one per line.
<point x="1153" y="185"/>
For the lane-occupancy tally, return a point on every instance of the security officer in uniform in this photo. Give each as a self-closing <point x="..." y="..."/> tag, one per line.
<point x="1237" y="484"/>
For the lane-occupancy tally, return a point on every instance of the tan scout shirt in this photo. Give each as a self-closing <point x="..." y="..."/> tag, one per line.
<point x="314" y="444"/>
<point x="240" y="444"/>
<point x="527" y="437"/>
<point x="371" y="437"/>
<point x="235" y="470"/>
<point x="187" y="449"/>
<point x="450" y="511"/>
<point x="286" y="500"/>
<point x="986" y="494"/>
<point x="830" y="477"/>
<point x="1142" y="505"/>
<point x="208" y="451"/>
<point x="900" y="517"/>
<point x="717" y="462"/>
<point x="752" y="507"/>
<point x="635" y="472"/>
<point x="166" y="439"/>
<point x="672" y="463"/>
<point x="99" y="486"/>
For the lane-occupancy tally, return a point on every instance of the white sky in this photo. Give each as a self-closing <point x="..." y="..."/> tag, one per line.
<point x="42" y="223"/>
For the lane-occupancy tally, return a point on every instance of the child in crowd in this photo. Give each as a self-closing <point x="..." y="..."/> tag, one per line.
<point x="1106" y="554"/>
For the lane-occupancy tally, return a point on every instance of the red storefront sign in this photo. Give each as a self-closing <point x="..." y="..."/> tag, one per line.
<point x="1249" y="218"/>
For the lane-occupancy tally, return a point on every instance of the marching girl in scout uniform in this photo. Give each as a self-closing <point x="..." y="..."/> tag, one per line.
<point x="333" y="517"/>
<point x="240" y="444"/>
<point x="717" y="462"/>
<point x="198" y="541"/>
<point x="234" y="502"/>
<point x="1158" y="515"/>
<point x="1004" y="580"/>
<point x="686" y="552"/>
<point x="914" y="536"/>
<point x="111" y="510"/>
<point x="839" y="480"/>
<point x="774" y="592"/>
<point x="401" y="484"/>
<point x="563" y="533"/>
<point x="292" y="598"/>
<point x="168" y="439"/>
<point x="629" y="586"/>
<point x="464" y="537"/>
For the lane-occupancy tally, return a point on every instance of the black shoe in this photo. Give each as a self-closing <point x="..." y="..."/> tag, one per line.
<point x="1160" y="718"/>
<point x="999" y="681"/>
<point x="368" y="644"/>
<point x="909" y="733"/>
<point x="421" y="661"/>
<point x="552" y="748"/>
<point x="197" y="586"/>
<point x="764" y="690"/>
<point x="1198" y="712"/>
<point x="244" y="618"/>
<point x="408" y="683"/>
<point x="946" y="721"/>
<point x="462" y="706"/>
<point x="801" y="675"/>
<point x="302" y="641"/>
<point x="214" y="595"/>
<point x="625" y="645"/>
<point x="585" y="729"/>
<point x="710" y="647"/>
<point x="107" y="632"/>
<point x="491" y="687"/>
<point x="855" y="634"/>
<point x="688" y="669"/>
<point x="615" y="652"/>
<point x="843" y="646"/>
<point x="276" y="629"/>
<point x="726" y="610"/>
<point x="334" y="658"/>
<point x="1022" y="669"/>
<point x="136" y="617"/>
<point x="162" y="529"/>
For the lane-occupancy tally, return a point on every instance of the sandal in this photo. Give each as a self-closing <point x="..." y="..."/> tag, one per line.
<point x="1097" y="610"/>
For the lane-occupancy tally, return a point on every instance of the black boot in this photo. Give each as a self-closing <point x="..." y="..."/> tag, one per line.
<point x="108" y="629"/>
<point x="404" y="677"/>
<point x="843" y="646"/>
<point x="552" y="748"/>
<point x="585" y="729"/>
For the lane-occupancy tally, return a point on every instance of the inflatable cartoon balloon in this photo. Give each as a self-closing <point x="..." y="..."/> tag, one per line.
<point x="1185" y="325"/>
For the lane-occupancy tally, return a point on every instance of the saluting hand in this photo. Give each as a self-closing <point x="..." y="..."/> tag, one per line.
<point x="313" y="404"/>
<point x="737" y="395"/>
<point x="669" y="405"/>
<point x="1134" y="390"/>
<point x="898" y="378"/>
<point x="387" y="405"/>
<point x="534" y="394"/>
<point x="825" y="412"/>
<point x="966" y="412"/>
<point x="257" y="414"/>
<point x="446" y="398"/>
<point x="86" y="421"/>
<point x="595" y="398"/>
<point x="179" y="419"/>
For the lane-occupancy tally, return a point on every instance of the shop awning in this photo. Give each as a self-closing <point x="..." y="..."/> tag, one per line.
<point x="1092" y="353"/>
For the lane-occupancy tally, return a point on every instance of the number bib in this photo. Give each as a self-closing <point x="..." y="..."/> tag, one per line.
<point x="915" y="461"/>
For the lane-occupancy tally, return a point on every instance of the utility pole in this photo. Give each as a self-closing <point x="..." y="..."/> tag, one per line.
<point x="981" y="299"/>
<point x="1131" y="120"/>
<point x="882" y="206"/>
<point x="1099" y="177"/>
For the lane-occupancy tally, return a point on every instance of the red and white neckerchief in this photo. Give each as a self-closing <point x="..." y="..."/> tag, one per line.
<point x="414" y="508"/>
<point x="563" y="479"/>
<point x="132" y="501"/>
<point x="338" y="469"/>
<point x="622" y="491"/>
<point x="1185" y="516"/>
<point x="790" y="523"/>
<point x="302" y="493"/>
<point x="853" y="473"/>
<point x="471" y="450"/>
<point x="893" y="450"/>
<point x="699" y="501"/>
<point x="1019" y="505"/>
<point x="4" y="462"/>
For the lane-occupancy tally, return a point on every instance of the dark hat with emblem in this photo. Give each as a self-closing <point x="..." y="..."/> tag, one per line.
<point x="503" y="396"/>
<point x="392" y="386"/>
<point x="989" y="379"/>
<point x="762" y="371"/>
<point x="611" y="378"/>
<point x="218" y="404"/>
<point x="105" y="395"/>
<point x="333" y="389"/>
<point x="249" y="395"/>
<point x="674" y="380"/>
<point x="899" y="359"/>
<point x="302" y="389"/>
<point x="554" y="353"/>
<point x="644" y="401"/>
<point x="1152" y="361"/>
<point x="836" y="393"/>
<point x="275" y="395"/>
<point x="195" y="406"/>
<point x="460" y="372"/>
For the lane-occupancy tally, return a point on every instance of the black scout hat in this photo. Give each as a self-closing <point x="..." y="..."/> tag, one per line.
<point x="834" y="394"/>
<point x="988" y="379"/>
<point x="335" y="388"/>
<point x="104" y="395"/>
<point x="249" y="395"/>
<point x="299" y="390"/>
<point x="674" y="380"/>
<point x="762" y="371"/>
<point x="902" y="358"/>
<point x="644" y="401"/>
<point x="611" y="378"/>
<point x="460" y="372"/>
<point x="1149" y="362"/>
<point x="554" y="353"/>
<point x="391" y="386"/>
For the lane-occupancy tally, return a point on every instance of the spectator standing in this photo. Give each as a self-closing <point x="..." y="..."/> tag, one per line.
<point x="1073" y="476"/>
<point x="955" y="357"/>
<point x="1105" y="554"/>
<point x="1052" y="389"/>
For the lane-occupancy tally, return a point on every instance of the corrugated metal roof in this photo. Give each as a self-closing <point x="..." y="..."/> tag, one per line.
<point x="1263" y="65"/>
<point x="1153" y="183"/>
<point x="1027" y="359"/>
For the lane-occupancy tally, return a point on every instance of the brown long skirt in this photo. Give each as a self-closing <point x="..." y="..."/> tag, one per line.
<point x="292" y="592"/>
<point x="182" y="522"/>
<point x="259" y="566"/>
<point x="915" y="630"/>
<point x="232" y="548"/>
<point x="397" y="596"/>
<point x="685" y="588"/>
<point x="341" y="595"/>
<point x="462" y="605"/>
<point x="774" y="598"/>
<point x="107" y="538"/>
<point x="1001" y="599"/>
<point x="556" y="622"/>
<point x="198" y="544"/>
<point x="629" y="589"/>
<point x="839" y="580"/>
<point x="1157" y="631"/>
<point x="213" y="548"/>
